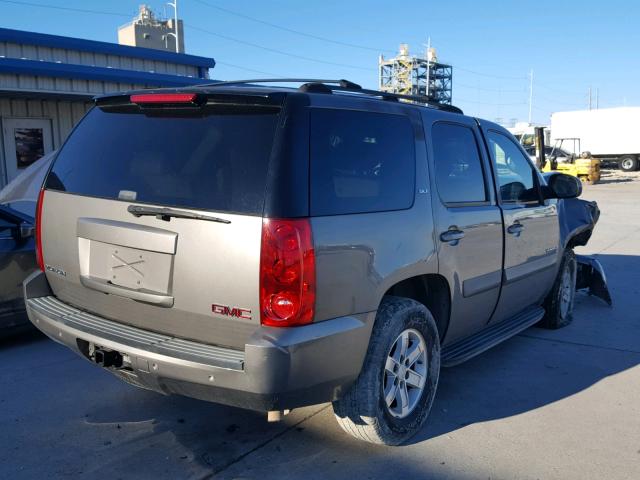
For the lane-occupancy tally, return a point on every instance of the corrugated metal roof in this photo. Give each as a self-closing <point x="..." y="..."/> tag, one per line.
<point x="57" y="41"/>
<point x="86" y="72"/>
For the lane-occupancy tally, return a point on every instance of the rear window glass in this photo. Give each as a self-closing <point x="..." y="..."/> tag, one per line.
<point x="216" y="161"/>
<point x="360" y="162"/>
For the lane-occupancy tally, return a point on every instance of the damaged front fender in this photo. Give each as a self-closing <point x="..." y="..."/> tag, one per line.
<point x="577" y="219"/>
<point x="590" y="275"/>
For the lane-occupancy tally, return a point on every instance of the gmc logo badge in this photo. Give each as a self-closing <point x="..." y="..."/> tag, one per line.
<point x="231" y="311"/>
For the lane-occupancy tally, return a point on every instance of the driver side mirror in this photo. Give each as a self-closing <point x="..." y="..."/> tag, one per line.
<point x="560" y="185"/>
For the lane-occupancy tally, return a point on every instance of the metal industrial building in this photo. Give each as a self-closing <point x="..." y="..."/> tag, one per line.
<point x="150" y="32"/>
<point x="47" y="82"/>
<point x="412" y="75"/>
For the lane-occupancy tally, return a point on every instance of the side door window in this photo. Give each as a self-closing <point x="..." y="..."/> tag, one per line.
<point x="517" y="180"/>
<point x="458" y="168"/>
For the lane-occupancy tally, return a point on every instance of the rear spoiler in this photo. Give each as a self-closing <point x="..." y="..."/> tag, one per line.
<point x="151" y="99"/>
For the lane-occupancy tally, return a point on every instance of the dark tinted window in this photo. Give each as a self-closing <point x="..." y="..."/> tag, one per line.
<point x="516" y="177"/>
<point x="459" y="175"/>
<point x="216" y="161"/>
<point x="360" y="162"/>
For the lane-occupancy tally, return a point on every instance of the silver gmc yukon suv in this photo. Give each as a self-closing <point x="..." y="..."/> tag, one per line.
<point x="271" y="248"/>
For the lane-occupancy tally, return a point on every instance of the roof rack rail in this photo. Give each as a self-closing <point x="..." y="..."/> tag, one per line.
<point x="341" y="85"/>
<point x="420" y="99"/>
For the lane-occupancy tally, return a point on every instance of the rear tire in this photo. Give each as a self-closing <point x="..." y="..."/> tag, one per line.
<point x="386" y="404"/>
<point x="559" y="303"/>
<point x="628" y="163"/>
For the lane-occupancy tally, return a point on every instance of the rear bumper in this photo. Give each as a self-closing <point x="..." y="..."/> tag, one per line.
<point x="280" y="368"/>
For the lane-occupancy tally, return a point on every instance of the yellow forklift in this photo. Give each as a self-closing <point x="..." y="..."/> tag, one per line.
<point x="583" y="166"/>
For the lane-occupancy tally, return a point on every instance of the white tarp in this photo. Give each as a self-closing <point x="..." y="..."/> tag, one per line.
<point x="26" y="186"/>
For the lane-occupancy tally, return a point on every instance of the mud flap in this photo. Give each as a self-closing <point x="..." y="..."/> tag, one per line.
<point x="591" y="276"/>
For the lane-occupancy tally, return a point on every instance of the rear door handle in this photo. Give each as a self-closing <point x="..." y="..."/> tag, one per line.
<point x="452" y="236"/>
<point x="515" y="229"/>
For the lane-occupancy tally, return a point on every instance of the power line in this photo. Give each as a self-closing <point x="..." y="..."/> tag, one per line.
<point x="553" y="89"/>
<point x="68" y="9"/>
<point x="490" y="75"/>
<point x="485" y="89"/>
<point x="268" y="49"/>
<point x="240" y="67"/>
<point x="560" y="102"/>
<point x="291" y="30"/>
<point x="203" y="30"/>
<point x="274" y="50"/>
<point x="337" y="42"/>
<point x="460" y="100"/>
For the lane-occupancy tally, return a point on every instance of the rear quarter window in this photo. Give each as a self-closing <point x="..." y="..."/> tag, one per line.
<point x="216" y="160"/>
<point x="360" y="162"/>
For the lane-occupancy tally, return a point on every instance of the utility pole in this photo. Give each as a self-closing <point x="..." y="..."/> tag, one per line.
<point x="530" y="94"/>
<point x="174" y="4"/>
<point x="597" y="98"/>
<point x="589" y="98"/>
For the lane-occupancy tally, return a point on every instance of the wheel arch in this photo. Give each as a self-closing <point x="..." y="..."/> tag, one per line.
<point x="431" y="290"/>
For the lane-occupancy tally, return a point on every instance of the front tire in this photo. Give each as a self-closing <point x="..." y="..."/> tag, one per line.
<point x="391" y="399"/>
<point x="559" y="303"/>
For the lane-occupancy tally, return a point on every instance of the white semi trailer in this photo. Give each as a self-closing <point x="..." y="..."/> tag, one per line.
<point x="611" y="134"/>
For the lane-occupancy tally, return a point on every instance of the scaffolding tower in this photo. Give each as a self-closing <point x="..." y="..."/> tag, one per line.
<point x="413" y="75"/>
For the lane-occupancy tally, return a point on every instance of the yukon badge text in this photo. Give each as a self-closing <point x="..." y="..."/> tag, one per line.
<point x="56" y="270"/>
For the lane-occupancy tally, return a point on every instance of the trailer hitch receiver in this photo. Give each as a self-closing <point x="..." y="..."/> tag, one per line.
<point x="107" y="358"/>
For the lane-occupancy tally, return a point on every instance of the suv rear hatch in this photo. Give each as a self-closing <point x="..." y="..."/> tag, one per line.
<point x="152" y="213"/>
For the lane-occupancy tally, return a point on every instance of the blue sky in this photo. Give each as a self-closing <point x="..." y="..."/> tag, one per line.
<point x="570" y="46"/>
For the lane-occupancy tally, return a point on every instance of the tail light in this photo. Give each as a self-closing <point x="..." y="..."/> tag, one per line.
<point x="39" y="256"/>
<point x="287" y="273"/>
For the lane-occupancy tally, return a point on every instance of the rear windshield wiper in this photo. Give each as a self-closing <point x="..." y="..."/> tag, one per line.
<point x="167" y="213"/>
